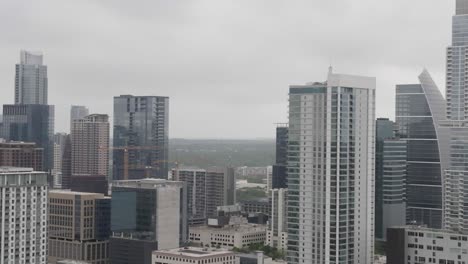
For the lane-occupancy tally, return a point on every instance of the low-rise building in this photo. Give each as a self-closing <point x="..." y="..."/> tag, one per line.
<point x="415" y="244"/>
<point x="194" y="255"/>
<point x="228" y="236"/>
<point x="79" y="227"/>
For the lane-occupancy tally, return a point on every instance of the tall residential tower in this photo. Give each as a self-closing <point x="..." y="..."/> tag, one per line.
<point x="331" y="171"/>
<point x="141" y="137"/>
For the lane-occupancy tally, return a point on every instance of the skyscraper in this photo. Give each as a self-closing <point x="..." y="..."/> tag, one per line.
<point x="420" y="109"/>
<point x="393" y="186"/>
<point x="77" y="112"/>
<point x="456" y="176"/>
<point x="384" y="130"/>
<point x="146" y="215"/>
<point x="31" y="123"/>
<point x="23" y="218"/>
<point x="280" y="172"/>
<point x="90" y="154"/>
<point x="141" y="137"/>
<point x="60" y="140"/>
<point x="331" y="171"/>
<point x="79" y="227"/>
<point x="31" y="79"/>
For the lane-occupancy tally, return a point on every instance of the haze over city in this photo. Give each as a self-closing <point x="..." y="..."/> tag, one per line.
<point x="226" y="65"/>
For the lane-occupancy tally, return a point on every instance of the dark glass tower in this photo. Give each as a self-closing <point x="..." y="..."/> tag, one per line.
<point x="280" y="172"/>
<point x="420" y="108"/>
<point x="31" y="123"/>
<point x="141" y="137"/>
<point x="384" y="130"/>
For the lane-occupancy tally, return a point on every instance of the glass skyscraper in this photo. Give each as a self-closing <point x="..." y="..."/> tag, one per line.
<point x="420" y="109"/>
<point x="331" y="171"/>
<point x="31" y="79"/>
<point x="141" y="137"/>
<point x="31" y="123"/>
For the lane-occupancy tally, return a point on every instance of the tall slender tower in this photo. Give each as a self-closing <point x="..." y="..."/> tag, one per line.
<point x="456" y="177"/>
<point x="331" y="171"/>
<point x="141" y="137"/>
<point x="31" y="79"/>
<point x="90" y="154"/>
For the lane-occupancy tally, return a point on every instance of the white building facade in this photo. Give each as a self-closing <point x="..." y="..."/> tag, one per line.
<point x="331" y="171"/>
<point x="23" y="216"/>
<point x="194" y="255"/>
<point x="239" y="236"/>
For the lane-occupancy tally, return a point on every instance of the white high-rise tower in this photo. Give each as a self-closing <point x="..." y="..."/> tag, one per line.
<point x="331" y="171"/>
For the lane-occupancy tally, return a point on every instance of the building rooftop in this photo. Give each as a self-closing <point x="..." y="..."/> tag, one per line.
<point x="58" y="191"/>
<point x="15" y="169"/>
<point x="194" y="252"/>
<point x="232" y="228"/>
<point x="146" y="183"/>
<point x="425" y="228"/>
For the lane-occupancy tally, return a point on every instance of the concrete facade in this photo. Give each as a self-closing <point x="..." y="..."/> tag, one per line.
<point x="79" y="227"/>
<point x="230" y="236"/>
<point x="194" y="255"/>
<point x="23" y="216"/>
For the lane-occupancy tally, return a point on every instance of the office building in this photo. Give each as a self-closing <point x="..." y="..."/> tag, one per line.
<point x="228" y="236"/>
<point x="60" y="140"/>
<point x="420" y="109"/>
<point x="385" y="129"/>
<point x="21" y="154"/>
<point x="147" y="215"/>
<point x="280" y="171"/>
<point x="415" y="244"/>
<point x="277" y="232"/>
<point x="23" y="218"/>
<point x="331" y="170"/>
<point x="390" y="174"/>
<point x="79" y="227"/>
<point x="393" y="187"/>
<point x="31" y="79"/>
<point x="90" y="154"/>
<point x="194" y="255"/>
<point x="31" y="123"/>
<point x="220" y="189"/>
<point x="141" y="137"/>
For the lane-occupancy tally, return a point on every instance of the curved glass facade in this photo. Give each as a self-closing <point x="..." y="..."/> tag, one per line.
<point x="419" y="110"/>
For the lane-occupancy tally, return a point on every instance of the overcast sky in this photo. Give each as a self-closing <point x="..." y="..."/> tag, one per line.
<point x="225" y="64"/>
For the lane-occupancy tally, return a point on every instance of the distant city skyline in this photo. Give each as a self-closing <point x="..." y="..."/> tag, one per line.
<point x="217" y="88"/>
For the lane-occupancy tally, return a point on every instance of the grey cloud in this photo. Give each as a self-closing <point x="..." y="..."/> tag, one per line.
<point x="225" y="64"/>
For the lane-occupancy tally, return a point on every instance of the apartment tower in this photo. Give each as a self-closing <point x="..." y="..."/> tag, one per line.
<point x="331" y="171"/>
